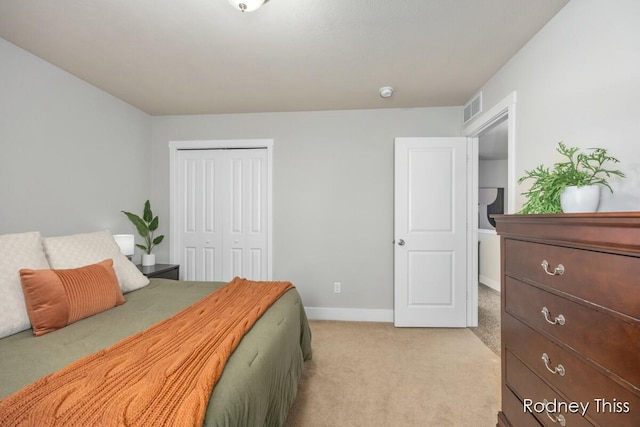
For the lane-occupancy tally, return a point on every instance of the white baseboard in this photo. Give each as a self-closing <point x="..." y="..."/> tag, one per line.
<point x="493" y="284"/>
<point x="349" y="314"/>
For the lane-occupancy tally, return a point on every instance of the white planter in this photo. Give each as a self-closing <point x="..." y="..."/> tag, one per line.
<point x="148" y="259"/>
<point x="580" y="199"/>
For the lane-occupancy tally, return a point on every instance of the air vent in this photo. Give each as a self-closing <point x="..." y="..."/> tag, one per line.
<point x="472" y="108"/>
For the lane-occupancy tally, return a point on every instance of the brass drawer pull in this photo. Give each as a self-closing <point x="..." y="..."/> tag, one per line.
<point x="557" y="370"/>
<point x="557" y="321"/>
<point x="558" y="271"/>
<point x="553" y="417"/>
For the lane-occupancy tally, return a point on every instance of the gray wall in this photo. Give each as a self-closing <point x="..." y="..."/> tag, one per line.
<point x="71" y="155"/>
<point x="492" y="173"/>
<point x="74" y="156"/>
<point x="332" y="191"/>
<point x="578" y="81"/>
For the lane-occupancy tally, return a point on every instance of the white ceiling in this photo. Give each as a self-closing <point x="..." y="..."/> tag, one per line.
<point x="202" y="56"/>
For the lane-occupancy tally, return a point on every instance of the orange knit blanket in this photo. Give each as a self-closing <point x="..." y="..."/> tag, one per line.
<point x="162" y="376"/>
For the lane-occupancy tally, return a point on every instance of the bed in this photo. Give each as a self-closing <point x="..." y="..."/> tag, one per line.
<point x="258" y="384"/>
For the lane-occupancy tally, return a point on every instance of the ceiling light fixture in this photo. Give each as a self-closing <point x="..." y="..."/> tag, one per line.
<point x="246" y="5"/>
<point x="386" y="92"/>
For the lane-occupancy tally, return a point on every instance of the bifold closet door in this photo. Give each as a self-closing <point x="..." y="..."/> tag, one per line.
<point x="223" y="213"/>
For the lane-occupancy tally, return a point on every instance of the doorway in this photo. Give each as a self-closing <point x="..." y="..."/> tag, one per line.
<point x="221" y="209"/>
<point x="495" y="131"/>
<point x="492" y="198"/>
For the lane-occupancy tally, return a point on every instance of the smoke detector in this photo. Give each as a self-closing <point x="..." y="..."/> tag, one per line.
<point x="246" y="5"/>
<point x="386" y="91"/>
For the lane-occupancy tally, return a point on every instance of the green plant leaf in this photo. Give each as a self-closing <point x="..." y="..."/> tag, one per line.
<point x="141" y="226"/>
<point x="147" y="215"/>
<point x="153" y="225"/>
<point x="158" y="240"/>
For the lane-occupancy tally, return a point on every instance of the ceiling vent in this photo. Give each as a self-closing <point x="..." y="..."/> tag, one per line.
<point x="472" y="108"/>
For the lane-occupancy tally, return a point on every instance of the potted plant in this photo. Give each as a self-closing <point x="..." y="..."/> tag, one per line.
<point x="146" y="226"/>
<point x="575" y="180"/>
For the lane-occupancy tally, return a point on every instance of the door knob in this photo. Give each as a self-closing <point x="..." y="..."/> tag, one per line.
<point x="401" y="242"/>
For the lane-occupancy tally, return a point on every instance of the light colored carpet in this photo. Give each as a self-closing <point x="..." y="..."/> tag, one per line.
<point x="488" y="329"/>
<point x="372" y="374"/>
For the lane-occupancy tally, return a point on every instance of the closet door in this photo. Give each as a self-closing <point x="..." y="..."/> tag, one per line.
<point x="199" y="215"/>
<point x="223" y="215"/>
<point x="244" y="214"/>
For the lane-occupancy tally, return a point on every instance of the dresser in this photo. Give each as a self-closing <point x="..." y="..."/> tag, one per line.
<point x="570" y="319"/>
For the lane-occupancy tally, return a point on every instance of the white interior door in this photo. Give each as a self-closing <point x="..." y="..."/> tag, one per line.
<point x="222" y="216"/>
<point x="430" y="227"/>
<point x="244" y="214"/>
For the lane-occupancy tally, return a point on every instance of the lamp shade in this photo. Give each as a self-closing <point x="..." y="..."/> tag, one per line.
<point x="246" y="5"/>
<point x="126" y="243"/>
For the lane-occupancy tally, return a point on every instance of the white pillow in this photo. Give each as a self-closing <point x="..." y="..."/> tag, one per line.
<point x="78" y="250"/>
<point x="22" y="250"/>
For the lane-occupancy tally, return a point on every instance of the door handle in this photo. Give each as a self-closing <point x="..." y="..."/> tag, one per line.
<point x="401" y="242"/>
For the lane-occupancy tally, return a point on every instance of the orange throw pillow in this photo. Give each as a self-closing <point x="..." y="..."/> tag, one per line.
<point x="57" y="298"/>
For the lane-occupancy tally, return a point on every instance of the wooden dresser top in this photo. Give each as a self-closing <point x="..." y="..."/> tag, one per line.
<point x="616" y="232"/>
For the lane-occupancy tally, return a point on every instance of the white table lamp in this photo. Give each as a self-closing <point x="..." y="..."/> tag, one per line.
<point x="126" y="243"/>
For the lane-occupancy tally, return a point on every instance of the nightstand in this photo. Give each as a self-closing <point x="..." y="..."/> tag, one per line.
<point x="163" y="271"/>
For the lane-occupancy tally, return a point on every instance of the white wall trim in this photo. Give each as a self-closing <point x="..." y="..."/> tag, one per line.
<point x="506" y="107"/>
<point x="490" y="283"/>
<point x="472" y="230"/>
<point x="349" y="314"/>
<point x="175" y="146"/>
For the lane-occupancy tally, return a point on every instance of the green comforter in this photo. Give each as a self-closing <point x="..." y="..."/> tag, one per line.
<point x="259" y="382"/>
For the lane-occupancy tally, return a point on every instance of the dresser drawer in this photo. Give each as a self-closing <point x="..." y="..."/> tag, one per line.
<point x="514" y="411"/>
<point x="586" y="273"/>
<point x="532" y="390"/>
<point x="606" y="340"/>
<point x="581" y="382"/>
